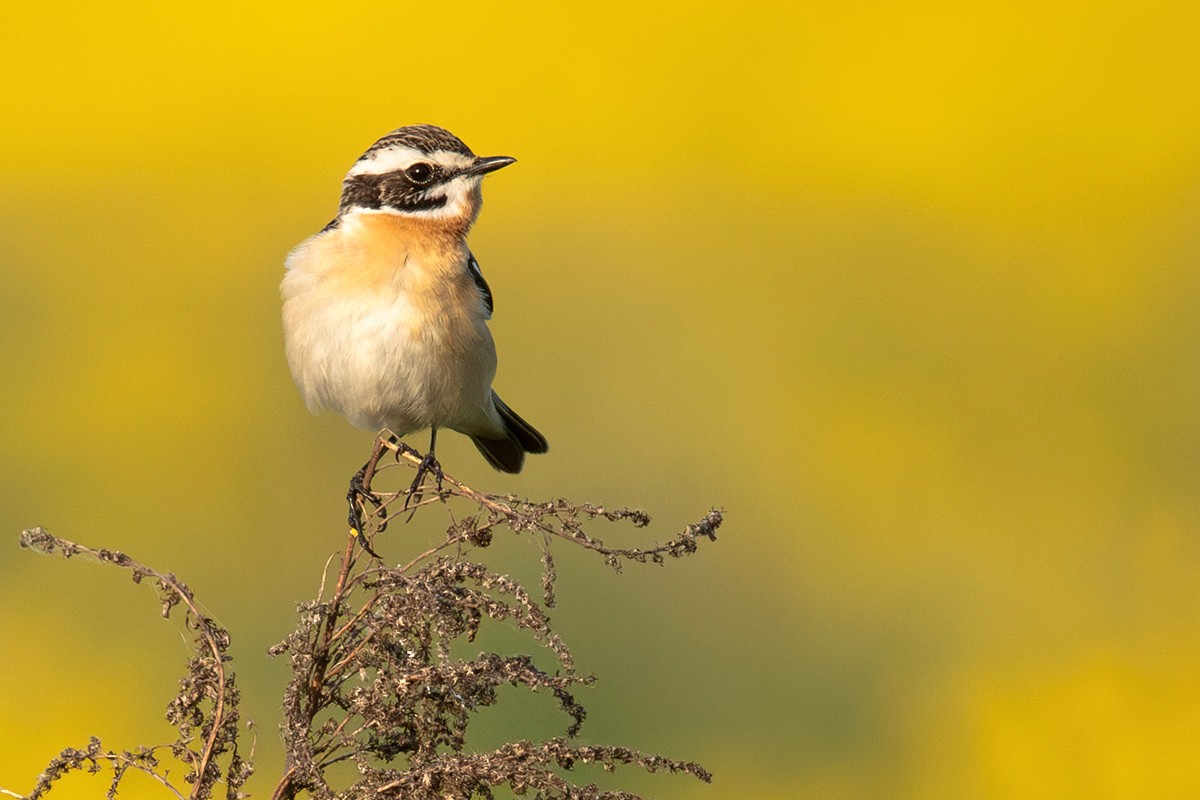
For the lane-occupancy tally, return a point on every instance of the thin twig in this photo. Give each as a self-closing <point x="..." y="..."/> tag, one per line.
<point x="42" y="540"/>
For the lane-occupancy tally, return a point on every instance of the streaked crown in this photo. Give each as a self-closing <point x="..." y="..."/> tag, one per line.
<point x="419" y="170"/>
<point x="425" y="139"/>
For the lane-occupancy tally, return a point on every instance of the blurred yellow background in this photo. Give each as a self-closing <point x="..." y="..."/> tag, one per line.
<point x="909" y="290"/>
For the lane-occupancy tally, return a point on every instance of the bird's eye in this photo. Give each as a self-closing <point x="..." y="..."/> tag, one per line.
<point x="419" y="173"/>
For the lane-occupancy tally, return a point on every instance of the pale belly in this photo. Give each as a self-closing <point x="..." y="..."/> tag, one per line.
<point x="382" y="362"/>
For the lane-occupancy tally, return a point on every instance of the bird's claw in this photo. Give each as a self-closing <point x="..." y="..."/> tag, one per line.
<point x="404" y="449"/>
<point x="429" y="464"/>
<point x="358" y="496"/>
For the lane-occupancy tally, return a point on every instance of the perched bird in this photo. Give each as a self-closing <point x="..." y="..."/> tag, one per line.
<point x="385" y="310"/>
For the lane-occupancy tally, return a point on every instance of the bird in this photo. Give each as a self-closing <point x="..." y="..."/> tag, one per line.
<point x="385" y="309"/>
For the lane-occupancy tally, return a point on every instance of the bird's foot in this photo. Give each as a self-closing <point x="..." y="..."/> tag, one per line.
<point x="360" y="494"/>
<point x="429" y="464"/>
<point x="404" y="449"/>
<point x="357" y="497"/>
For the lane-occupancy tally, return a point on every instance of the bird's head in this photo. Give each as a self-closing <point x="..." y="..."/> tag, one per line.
<point x="420" y="171"/>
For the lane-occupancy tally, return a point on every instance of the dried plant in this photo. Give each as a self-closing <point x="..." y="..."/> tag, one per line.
<point x="204" y="711"/>
<point x="378" y="681"/>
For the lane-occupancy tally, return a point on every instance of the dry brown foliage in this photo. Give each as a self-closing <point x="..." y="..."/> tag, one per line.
<point x="374" y="680"/>
<point x="204" y="711"/>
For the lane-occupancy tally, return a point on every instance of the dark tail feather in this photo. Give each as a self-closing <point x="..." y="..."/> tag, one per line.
<point x="508" y="454"/>
<point x="530" y="440"/>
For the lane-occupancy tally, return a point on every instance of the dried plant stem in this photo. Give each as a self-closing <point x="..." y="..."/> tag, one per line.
<point x="286" y="787"/>
<point x="376" y="675"/>
<point x="378" y="651"/>
<point x="208" y="679"/>
<point x="524" y="515"/>
<point x="173" y="591"/>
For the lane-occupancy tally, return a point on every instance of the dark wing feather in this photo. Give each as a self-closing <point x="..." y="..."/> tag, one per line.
<point x="480" y="283"/>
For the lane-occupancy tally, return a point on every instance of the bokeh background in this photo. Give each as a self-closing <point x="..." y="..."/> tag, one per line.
<point x="910" y="290"/>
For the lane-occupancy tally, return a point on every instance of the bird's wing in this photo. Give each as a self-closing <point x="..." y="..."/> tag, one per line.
<point x="480" y="283"/>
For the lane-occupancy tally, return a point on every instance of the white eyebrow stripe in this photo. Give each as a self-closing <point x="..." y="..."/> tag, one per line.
<point x="400" y="157"/>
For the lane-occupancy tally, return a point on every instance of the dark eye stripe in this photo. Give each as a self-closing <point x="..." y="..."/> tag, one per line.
<point x="389" y="190"/>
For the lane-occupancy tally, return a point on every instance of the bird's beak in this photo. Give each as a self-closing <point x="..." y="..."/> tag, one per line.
<point x="486" y="164"/>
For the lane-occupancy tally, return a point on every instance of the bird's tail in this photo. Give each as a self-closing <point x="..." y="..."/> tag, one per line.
<point x="508" y="454"/>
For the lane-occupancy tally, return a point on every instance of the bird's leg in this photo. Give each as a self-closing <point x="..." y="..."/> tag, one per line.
<point x="360" y="490"/>
<point x="429" y="463"/>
